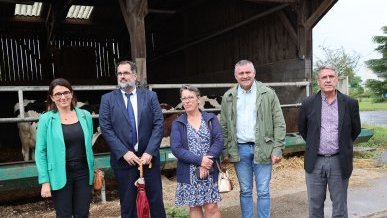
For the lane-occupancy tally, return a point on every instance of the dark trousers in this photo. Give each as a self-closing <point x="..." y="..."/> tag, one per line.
<point x="126" y="177"/>
<point x="327" y="172"/>
<point x="73" y="200"/>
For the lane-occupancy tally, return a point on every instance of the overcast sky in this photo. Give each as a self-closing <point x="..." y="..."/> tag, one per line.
<point x="351" y="24"/>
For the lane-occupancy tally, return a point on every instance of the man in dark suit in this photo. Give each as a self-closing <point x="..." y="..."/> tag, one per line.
<point x="131" y="122"/>
<point x="329" y="122"/>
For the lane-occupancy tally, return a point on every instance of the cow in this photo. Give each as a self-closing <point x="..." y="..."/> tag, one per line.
<point x="27" y="130"/>
<point x="205" y="102"/>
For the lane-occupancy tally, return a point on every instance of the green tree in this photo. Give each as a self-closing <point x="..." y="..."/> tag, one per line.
<point x="346" y="65"/>
<point x="378" y="89"/>
<point x="379" y="66"/>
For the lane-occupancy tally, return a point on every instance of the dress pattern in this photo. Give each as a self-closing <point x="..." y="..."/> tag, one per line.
<point x="200" y="191"/>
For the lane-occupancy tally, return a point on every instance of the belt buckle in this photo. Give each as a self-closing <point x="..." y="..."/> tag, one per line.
<point x="328" y="155"/>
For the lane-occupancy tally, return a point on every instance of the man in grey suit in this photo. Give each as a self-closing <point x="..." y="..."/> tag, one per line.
<point x="131" y="122"/>
<point x="329" y="122"/>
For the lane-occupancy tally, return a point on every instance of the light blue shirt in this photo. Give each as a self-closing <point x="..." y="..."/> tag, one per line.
<point x="246" y="114"/>
<point x="133" y="100"/>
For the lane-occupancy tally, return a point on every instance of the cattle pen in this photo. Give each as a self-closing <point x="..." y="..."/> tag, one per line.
<point x="21" y="174"/>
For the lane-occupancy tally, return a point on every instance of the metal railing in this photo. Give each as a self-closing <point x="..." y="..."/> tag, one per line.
<point x="21" y="89"/>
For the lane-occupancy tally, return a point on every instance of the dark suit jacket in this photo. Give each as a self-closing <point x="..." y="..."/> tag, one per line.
<point x="116" y="130"/>
<point x="309" y="126"/>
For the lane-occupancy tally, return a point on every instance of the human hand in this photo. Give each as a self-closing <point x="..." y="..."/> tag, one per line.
<point x="131" y="158"/>
<point x="275" y="159"/>
<point x="46" y="190"/>
<point x="146" y="158"/>
<point x="203" y="173"/>
<point x="207" y="162"/>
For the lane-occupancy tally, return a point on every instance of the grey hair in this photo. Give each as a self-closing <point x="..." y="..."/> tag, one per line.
<point x="190" y="88"/>
<point x="326" y="67"/>
<point x="133" y="66"/>
<point x="243" y="63"/>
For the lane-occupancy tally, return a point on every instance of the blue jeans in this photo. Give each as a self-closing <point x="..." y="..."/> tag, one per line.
<point x="262" y="172"/>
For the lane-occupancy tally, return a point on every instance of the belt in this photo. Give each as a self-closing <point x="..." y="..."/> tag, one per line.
<point x="327" y="155"/>
<point x="249" y="143"/>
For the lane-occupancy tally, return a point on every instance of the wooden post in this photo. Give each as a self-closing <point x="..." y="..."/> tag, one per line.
<point x="134" y="12"/>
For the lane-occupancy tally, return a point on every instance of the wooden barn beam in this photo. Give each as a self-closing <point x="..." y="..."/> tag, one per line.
<point x="134" y="12"/>
<point x="304" y="38"/>
<point x="57" y="13"/>
<point x="159" y="11"/>
<point x="288" y="26"/>
<point x="218" y="33"/>
<point x="319" y="13"/>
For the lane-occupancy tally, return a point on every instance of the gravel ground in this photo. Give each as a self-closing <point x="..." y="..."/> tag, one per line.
<point x="288" y="193"/>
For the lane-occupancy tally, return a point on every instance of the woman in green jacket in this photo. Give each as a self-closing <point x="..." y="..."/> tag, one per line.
<point x="63" y="154"/>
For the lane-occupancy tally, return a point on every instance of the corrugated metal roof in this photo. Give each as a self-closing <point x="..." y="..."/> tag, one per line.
<point x="80" y="12"/>
<point x="28" y="10"/>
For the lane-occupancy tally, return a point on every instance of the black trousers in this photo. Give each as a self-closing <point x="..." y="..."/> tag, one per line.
<point x="73" y="200"/>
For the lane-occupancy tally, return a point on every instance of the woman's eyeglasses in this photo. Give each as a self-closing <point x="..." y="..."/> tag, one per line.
<point x="59" y="94"/>
<point x="189" y="98"/>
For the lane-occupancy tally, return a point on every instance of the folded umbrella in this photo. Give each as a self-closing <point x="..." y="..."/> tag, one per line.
<point x="142" y="203"/>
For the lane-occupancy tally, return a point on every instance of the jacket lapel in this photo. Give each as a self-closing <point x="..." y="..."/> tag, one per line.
<point x="56" y="126"/>
<point x="317" y="108"/>
<point x="341" y="105"/>
<point x="82" y="120"/>
<point x="121" y="104"/>
<point x="140" y="99"/>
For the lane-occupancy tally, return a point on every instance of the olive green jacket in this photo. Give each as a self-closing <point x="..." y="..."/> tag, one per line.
<point x="50" y="148"/>
<point x="270" y="127"/>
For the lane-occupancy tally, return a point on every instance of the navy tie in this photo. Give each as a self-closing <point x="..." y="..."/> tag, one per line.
<point x="132" y="119"/>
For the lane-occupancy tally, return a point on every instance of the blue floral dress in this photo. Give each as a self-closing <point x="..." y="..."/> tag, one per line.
<point x="200" y="191"/>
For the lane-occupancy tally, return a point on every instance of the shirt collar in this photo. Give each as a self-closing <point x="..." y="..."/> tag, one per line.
<point x="253" y="87"/>
<point x="324" y="98"/>
<point x="134" y="91"/>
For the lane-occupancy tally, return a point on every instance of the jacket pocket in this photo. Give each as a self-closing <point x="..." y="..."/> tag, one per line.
<point x="268" y="140"/>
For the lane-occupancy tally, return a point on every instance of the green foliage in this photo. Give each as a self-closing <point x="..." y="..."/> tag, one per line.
<point x="346" y="65"/>
<point x="378" y="89"/>
<point x="367" y="104"/>
<point x="173" y="212"/>
<point x="379" y="66"/>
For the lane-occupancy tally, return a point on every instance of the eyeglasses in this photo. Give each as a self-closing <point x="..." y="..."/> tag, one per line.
<point x="59" y="94"/>
<point x="126" y="73"/>
<point x="189" y="98"/>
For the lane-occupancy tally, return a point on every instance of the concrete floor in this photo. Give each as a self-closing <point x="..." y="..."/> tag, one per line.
<point x="369" y="201"/>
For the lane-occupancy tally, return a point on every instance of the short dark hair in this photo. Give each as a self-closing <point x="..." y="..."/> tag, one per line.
<point x="133" y="66"/>
<point x="59" y="82"/>
<point x="190" y="88"/>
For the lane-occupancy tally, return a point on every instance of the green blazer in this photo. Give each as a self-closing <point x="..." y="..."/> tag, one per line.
<point x="50" y="148"/>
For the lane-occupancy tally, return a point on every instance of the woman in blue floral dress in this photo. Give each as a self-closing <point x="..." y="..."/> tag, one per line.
<point x="196" y="141"/>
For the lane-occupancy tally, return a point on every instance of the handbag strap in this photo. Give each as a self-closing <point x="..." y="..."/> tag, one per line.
<point x="219" y="167"/>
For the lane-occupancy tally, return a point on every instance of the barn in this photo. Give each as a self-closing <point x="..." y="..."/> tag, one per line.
<point x="171" y="41"/>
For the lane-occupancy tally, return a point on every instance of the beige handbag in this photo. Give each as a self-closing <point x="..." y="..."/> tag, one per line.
<point x="224" y="182"/>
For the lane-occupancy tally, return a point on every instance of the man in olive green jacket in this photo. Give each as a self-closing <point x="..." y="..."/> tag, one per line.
<point x="254" y="133"/>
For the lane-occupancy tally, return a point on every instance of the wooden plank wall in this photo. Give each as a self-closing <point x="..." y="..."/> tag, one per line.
<point x="263" y="41"/>
<point x="85" y="60"/>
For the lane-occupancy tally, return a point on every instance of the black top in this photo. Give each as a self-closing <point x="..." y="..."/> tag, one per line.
<point x="74" y="141"/>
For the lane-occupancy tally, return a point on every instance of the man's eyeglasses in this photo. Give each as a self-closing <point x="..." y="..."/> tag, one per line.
<point x="59" y="94"/>
<point x="189" y="98"/>
<point x="124" y="73"/>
